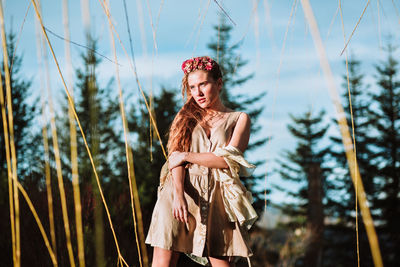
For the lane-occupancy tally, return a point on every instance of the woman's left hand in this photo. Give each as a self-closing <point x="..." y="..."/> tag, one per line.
<point x="176" y="159"/>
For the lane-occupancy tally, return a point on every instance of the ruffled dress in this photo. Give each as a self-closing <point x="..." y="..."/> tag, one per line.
<point x="219" y="206"/>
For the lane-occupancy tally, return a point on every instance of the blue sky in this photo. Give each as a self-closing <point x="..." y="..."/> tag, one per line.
<point x="182" y="32"/>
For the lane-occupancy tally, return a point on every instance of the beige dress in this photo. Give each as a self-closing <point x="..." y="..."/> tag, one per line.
<point x="219" y="206"/>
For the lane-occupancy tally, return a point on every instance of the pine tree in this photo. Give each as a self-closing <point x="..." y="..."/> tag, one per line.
<point x="386" y="123"/>
<point x="341" y="205"/>
<point x="98" y="111"/>
<point x="24" y="113"/>
<point x="362" y="128"/>
<point x="28" y="155"/>
<point x="148" y="162"/>
<point x="306" y="167"/>
<point x="231" y="64"/>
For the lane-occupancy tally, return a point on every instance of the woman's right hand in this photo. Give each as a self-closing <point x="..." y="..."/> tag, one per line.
<point x="176" y="159"/>
<point x="180" y="208"/>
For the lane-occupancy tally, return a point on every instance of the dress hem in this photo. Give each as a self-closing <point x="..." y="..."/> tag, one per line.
<point x="182" y="250"/>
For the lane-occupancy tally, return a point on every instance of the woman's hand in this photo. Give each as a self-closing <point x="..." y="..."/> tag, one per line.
<point x="176" y="159"/>
<point x="180" y="208"/>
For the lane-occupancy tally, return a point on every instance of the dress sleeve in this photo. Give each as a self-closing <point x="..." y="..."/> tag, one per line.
<point x="238" y="165"/>
<point x="164" y="173"/>
<point x="237" y="200"/>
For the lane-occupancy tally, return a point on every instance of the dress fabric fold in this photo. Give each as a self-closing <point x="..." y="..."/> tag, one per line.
<point x="237" y="200"/>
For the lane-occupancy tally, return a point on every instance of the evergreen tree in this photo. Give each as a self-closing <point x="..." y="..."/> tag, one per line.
<point x="28" y="168"/>
<point x="148" y="162"/>
<point x="231" y="63"/>
<point x="306" y="167"/>
<point x="341" y="205"/>
<point x="23" y="112"/>
<point x="386" y="123"/>
<point x="344" y="205"/>
<point x="98" y="111"/>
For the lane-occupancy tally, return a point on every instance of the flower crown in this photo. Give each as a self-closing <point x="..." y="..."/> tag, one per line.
<point x="198" y="63"/>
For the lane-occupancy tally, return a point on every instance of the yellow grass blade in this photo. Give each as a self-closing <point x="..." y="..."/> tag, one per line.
<point x="38" y="222"/>
<point x="9" y="171"/>
<point x="73" y="143"/>
<point x="128" y="153"/>
<point x="355" y="27"/>
<point x="137" y="81"/>
<point x="17" y="258"/>
<point x="60" y="179"/>
<point x="347" y="142"/>
<point x="120" y="259"/>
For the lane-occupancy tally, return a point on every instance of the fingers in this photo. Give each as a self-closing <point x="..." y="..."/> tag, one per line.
<point x="185" y="215"/>
<point x="175" y="212"/>
<point x="181" y="214"/>
<point x="180" y="209"/>
<point x="172" y="166"/>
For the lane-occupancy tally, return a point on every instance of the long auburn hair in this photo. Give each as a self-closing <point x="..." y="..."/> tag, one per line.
<point x="180" y="132"/>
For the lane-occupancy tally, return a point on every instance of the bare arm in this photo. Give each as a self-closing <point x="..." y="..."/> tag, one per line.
<point x="241" y="134"/>
<point x="206" y="159"/>
<point x="178" y="178"/>
<point x="240" y="139"/>
<point x="179" y="205"/>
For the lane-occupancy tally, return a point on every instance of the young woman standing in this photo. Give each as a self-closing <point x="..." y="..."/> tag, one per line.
<point x="202" y="208"/>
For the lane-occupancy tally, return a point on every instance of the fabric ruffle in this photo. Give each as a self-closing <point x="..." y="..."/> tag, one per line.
<point x="164" y="173"/>
<point x="237" y="200"/>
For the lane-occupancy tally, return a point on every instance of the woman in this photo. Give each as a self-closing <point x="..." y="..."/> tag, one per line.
<point x="202" y="207"/>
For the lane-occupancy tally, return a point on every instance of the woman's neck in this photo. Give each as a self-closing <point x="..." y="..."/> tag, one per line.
<point x="217" y="108"/>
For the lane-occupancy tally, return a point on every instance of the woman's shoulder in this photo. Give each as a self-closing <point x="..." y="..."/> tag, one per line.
<point x="236" y="115"/>
<point x="241" y="125"/>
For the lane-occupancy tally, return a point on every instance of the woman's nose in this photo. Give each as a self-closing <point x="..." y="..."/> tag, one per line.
<point x="197" y="92"/>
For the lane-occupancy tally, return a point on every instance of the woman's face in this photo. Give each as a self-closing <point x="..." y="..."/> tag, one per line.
<point x="204" y="89"/>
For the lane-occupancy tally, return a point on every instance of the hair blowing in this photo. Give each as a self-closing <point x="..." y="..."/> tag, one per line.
<point x="180" y="132"/>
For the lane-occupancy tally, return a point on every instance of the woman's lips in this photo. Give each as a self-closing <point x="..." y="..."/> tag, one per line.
<point x="201" y="100"/>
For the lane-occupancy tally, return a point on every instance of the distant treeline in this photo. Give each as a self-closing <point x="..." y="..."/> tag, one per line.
<point x="323" y="214"/>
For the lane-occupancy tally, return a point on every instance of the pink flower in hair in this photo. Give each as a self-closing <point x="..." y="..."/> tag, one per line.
<point x="197" y="63"/>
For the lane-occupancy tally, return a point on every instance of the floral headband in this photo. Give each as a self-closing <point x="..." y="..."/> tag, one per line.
<point x="198" y="63"/>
